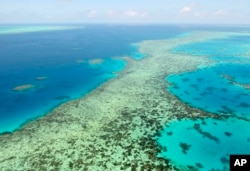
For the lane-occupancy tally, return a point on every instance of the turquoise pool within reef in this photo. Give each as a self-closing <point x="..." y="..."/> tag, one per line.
<point x="222" y="89"/>
<point x="204" y="144"/>
<point x="215" y="89"/>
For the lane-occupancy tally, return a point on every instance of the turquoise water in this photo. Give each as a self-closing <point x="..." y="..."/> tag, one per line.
<point x="61" y="54"/>
<point x="232" y="49"/>
<point x="12" y="29"/>
<point x="222" y="89"/>
<point x="213" y="89"/>
<point x="63" y="83"/>
<point x="210" y="91"/>
<point x="204" y="145"/>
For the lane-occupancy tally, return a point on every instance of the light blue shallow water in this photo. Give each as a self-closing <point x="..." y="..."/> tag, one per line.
<point x="209" y="90"/>
<point x="223" y="90"/>
<point x="204" y="145"/>
<point x="231" y="49"/>
<point x="212" y="89"/>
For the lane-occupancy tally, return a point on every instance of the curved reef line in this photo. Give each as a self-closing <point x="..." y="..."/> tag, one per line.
<point x="112" y="127"/>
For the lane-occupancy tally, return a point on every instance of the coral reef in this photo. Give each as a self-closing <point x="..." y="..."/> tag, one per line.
<point x="113" y="127"/>
<point x="41" y="78"/>
<point x="23" y="87"/>
<point x="95" y="61"/>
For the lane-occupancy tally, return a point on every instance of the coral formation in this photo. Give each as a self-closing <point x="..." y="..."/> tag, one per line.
<point x="113" y="127"/>
<point x="95" y="61"/>
<point x="41" y="78"/>
<point x="23" y="87"/>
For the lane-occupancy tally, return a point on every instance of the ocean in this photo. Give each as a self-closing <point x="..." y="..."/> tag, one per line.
<point x="42" y="67"/>
<point x="59" y="56"/>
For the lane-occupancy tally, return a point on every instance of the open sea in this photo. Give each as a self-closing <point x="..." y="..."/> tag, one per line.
<point x="42" y="67"/>
<point x="59" y="56"/>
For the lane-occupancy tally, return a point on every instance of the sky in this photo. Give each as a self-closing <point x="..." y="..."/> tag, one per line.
<point x="125" y="11"/>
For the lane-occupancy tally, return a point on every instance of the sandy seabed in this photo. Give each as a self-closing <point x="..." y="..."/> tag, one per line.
<point x="113" y="127"/>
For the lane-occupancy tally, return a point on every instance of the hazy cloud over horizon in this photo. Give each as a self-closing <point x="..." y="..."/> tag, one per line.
<point x="140" y="11"/>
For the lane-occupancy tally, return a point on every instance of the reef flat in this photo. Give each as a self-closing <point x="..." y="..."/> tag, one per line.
<point x="27" y="29"/>
<point x="111" y="128"/>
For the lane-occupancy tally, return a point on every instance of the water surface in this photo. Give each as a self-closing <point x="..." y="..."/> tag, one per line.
<point x="62" y="55"/>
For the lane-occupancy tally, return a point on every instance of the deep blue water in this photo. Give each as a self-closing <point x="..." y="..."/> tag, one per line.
<point x="61" y="57"/>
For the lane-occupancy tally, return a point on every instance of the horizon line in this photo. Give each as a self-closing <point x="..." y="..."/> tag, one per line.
<point x="126" y="23"/>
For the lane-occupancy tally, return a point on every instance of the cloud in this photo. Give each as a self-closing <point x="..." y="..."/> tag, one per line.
<point x="220" y="12"/>
<point x="65" y="0"/>
<point x="197" y="14"/>
<point x="185" y="9"/>
<point x="131" y="13"/>
<point x="144" y="14"/>
<point x="111" y="13"/>
<point x="91" y="14"/>
<point x="135" y="13"/>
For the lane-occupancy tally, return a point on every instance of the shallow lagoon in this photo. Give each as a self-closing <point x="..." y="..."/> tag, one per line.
<point x="222" y="89"/>
<point x="204" y="144"/>
<point x="209" y="90"/>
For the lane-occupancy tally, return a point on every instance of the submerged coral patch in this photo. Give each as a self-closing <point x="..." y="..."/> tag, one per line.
<point x="23" y="87"/>
<point x="62" y="97"/>
<point x="41" y="78"/>
<point x="244" y="104"/>
<point x="185" y="147"/>
<point x="95" y="61"/>
<point x="228" y="134"/>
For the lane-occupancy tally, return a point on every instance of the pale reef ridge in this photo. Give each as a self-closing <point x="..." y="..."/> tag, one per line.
<point x="28" y="29"/>
<point x="23" y="87"/>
